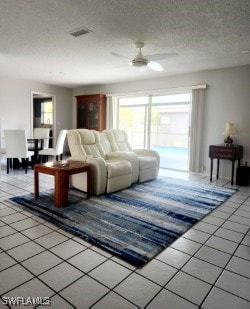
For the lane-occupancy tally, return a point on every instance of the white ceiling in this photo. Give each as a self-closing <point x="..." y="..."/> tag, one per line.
<point x="35" y="42"/>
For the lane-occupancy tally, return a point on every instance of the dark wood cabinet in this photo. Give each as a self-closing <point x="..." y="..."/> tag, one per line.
<point x="232" y="153"/>
<point x="91" y="112"/>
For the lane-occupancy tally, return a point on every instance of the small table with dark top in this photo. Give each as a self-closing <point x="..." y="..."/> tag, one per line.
<point x="231" y="153"/>
<point x="35" y="144"/>
<point x="61" y="170"/>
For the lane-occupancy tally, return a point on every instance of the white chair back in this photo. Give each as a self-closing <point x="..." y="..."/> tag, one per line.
<point x="60" y="141"/>
<point x="16" y="143"/>
<point x="42" y="133"/>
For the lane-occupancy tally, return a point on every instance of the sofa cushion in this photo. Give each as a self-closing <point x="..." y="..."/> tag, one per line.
<point x="92" y="150"/>
<point x="121" y="140"/>
<point x="87" y="137"/>
<point x="148" y="162"/>
<point x="117" y="168"/>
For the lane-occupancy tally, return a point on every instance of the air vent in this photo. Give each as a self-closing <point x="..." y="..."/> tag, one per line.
<point x="79" y="32"/>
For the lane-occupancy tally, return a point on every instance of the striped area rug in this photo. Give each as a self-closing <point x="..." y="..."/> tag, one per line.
<point x="135" y="224"/>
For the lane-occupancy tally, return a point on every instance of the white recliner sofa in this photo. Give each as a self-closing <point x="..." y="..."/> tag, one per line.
<point x="125" y="155"/>
<point x="149" y="160"/>
<point x="108" y="175"/>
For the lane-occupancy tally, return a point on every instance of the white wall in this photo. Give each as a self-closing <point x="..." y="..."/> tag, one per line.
<point x="16" y="108"/>
<point x="227" y="99"/>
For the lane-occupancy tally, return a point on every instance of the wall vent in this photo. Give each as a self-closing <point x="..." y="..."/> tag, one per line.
<point x="79" y="32"/>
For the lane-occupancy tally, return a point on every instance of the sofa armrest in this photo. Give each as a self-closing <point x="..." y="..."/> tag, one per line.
<point x="98" y="173"/>
<point x="148" y="152"/>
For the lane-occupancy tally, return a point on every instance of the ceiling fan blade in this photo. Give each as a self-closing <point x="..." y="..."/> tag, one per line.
<point x="119" y="56"/>
<point x="161" y="56"/>
<point x="155" y="66"/>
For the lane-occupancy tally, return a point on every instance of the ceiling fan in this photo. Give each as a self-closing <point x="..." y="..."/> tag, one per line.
<point x="140" y="61"/>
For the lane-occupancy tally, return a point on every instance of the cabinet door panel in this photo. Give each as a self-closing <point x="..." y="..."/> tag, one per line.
<point x="81" y="115"/>
<point x="91" y="112"/>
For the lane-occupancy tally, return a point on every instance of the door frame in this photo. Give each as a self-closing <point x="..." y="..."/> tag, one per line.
<point x="37" y="94"/>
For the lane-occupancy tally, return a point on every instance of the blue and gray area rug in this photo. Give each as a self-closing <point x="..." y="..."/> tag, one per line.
<point x="135" y="224"/>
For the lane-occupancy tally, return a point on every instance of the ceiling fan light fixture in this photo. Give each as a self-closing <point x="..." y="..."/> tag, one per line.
<point x="139" y="62"/>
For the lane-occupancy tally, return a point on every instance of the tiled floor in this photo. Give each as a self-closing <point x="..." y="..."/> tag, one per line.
<point x="208" y="267"/>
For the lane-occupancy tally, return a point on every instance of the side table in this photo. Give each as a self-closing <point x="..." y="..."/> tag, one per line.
<point x="61" y="170"/>
<point x="231" y="153"/>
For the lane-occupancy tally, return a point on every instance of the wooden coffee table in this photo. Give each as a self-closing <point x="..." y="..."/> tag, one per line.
<point x="61" y="170"/>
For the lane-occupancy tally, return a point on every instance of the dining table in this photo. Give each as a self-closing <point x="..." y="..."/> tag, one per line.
<point x="35" y="144"/>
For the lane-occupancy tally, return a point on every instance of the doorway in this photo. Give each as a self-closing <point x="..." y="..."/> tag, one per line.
<point x="43" y="113"/>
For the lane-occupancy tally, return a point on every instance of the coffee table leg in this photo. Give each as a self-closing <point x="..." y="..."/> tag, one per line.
<point x="36" y="185"/>
<point x="61" y="188"/>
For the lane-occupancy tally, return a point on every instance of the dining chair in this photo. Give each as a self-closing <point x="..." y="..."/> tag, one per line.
<point x="57" y="151"/>
<point x="17" y="147"/>
<point x="42" y="133"/>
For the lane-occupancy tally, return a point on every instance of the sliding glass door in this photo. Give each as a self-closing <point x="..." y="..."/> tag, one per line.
<point x="133" y="114"/>
<point x="160" y="123"/>
<point x="169" y="132"/>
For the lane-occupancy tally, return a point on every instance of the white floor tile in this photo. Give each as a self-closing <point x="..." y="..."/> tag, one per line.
<point x="25" y="251"/>
<point x="41" y="262"/>
<point x="13" y="240"/>
<point x="5" y="212"/>
<point x="93" y="291"/>
<point x="138" y="289"/>
<point x="12" y="277"/>
<point x="205" y="227"/>
<point x="158" y="272"/>
<point x="87" y="260"/>
<point x="226" y="209"/>
<point x="67" y="249"/>
<point x="60" y="276"/>
<point x="202" y="270"/>
<point x="242" y="213"/>
<point x="167" y="299"/>
<point x="219" y="214"/>
<point x="13" y="218"/>
<point x="173" y="257"/>
<point x="24" y="224"/>
<point x="188" y="287"/>
<point x="6" y="230"/>
<point x="6" y="261"/>
<point x="58" y="302"/>
<point x="213" y="220"/>
<point x="235" y="284"/>
<point x="37" y="231"/>
<point x="51" y="239"/>
<point x="235" y="227"/>
<point x="213" y="256"/>
<point x="197" y="236"/>
<point x="186" y="245"/>
<point x="112" y="300"/>
<point x="240" y="220"/>
<point x="229" y="235"/>
<point x="239" y="266"/>
<point x="243" y="252"/>
<point x="222" y="244"/>
<point x="34" y="289"/>
<point x="218" y="299"/>
<point x="110" y="278"/>
<point x="246" y="241"/>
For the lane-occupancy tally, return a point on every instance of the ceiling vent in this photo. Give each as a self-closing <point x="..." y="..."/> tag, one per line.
<point x="80" y="32"/>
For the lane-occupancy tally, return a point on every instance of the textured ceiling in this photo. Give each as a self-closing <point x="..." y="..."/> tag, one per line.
<point x="35" y="42"/>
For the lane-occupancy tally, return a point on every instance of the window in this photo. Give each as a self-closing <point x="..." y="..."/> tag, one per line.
<point x="47" y="112"/>
<point x="160" y="123"/>
<point x="133" y="118"/>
